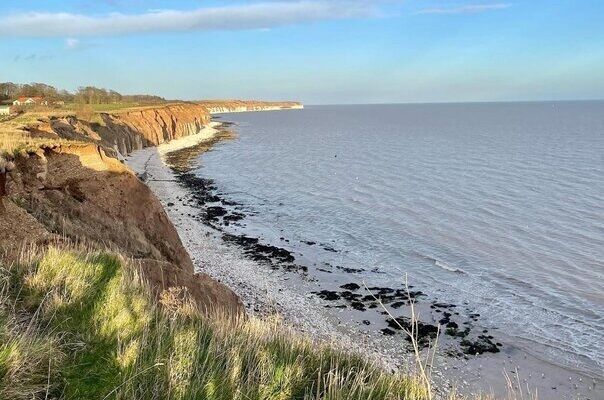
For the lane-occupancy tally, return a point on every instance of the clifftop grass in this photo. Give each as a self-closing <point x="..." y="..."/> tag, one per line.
<point x="13" y="135"/>
<point x="82" y="325"/>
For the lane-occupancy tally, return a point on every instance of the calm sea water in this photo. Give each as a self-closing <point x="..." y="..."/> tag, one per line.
<point x="497" y="205"/>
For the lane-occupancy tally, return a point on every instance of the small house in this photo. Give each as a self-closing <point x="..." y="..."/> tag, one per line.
<point x="30" y="101"/>
<point x="4" y="110"/>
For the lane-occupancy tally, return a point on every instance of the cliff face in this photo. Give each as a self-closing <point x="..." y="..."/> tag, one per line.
<point x="228" y="106"/>
<point x="77" y="193"/>
<point x="123" y="132"/>
<point x="134" y="130"/>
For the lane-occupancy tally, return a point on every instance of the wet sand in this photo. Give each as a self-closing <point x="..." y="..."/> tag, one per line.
<point x="329" y="302"/>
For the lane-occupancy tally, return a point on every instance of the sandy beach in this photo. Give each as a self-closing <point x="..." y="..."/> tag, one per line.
<point x="289" y="295"/>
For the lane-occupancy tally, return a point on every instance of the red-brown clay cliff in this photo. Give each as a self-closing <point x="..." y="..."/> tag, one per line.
<point x="132" y="130"/>
<point x="120" y="133"/>
<point x="77" y="193"/>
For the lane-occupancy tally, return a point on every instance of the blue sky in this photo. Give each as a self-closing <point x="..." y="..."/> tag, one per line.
<point x="316" y="51"/>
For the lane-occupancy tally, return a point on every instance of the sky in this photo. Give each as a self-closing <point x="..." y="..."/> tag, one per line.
<point x="315" y="51"/>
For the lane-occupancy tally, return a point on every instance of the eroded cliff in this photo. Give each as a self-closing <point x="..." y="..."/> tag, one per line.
<point x="121" y="133"/>
<point x="79" y="194"/>
<point x="134" y="130"/>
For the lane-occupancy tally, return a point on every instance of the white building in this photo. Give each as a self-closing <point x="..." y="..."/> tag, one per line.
<point x="4" y="110"/>
<point x="30" y="101"/>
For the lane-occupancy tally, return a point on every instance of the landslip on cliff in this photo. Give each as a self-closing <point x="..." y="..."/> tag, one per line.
<point x="76" y="190"/>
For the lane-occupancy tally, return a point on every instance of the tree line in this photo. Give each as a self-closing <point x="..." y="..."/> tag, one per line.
<point x="84" y="95"/>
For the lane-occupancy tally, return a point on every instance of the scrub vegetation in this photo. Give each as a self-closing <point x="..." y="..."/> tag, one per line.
<point x="81" y="324"/>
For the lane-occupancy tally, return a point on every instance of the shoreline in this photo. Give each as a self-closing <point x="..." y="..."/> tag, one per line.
<point x="265" y="291"/>
<point x="207" y="133"/>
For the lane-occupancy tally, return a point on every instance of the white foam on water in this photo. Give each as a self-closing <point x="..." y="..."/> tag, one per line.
<point x="446" y="267"/>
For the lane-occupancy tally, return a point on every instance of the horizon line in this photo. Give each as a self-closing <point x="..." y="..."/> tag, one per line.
<point x="453" y="102"/>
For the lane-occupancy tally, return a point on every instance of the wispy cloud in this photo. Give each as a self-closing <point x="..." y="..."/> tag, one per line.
<point x="465" y="9"/>
<point x="72" y="44"/>
<point x="33" y="57"/>
<point x="242" y="17"/>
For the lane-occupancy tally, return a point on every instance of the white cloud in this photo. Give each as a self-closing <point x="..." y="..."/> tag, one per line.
<point x="250" y="16"/>
<point x="72" y="44"/>
<point x="465" y="9"/>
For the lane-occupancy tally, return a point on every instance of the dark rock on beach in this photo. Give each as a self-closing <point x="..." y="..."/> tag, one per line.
<point x="482" y="344"/>
<point x="274" y="256"/>
<point x="388" y="332"/>
<point x="349" y="270"/>
<point x="350" y="286"/>
<point x="214" y="212"/>
<point x="328" y="295"/>
<point x="425" y="332"/>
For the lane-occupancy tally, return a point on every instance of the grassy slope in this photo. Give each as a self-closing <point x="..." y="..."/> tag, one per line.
<point x="82" y="325"/>
<point x="12" y="135"/>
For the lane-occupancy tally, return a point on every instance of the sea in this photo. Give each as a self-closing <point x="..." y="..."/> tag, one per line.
<point x="496" y="206"/>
